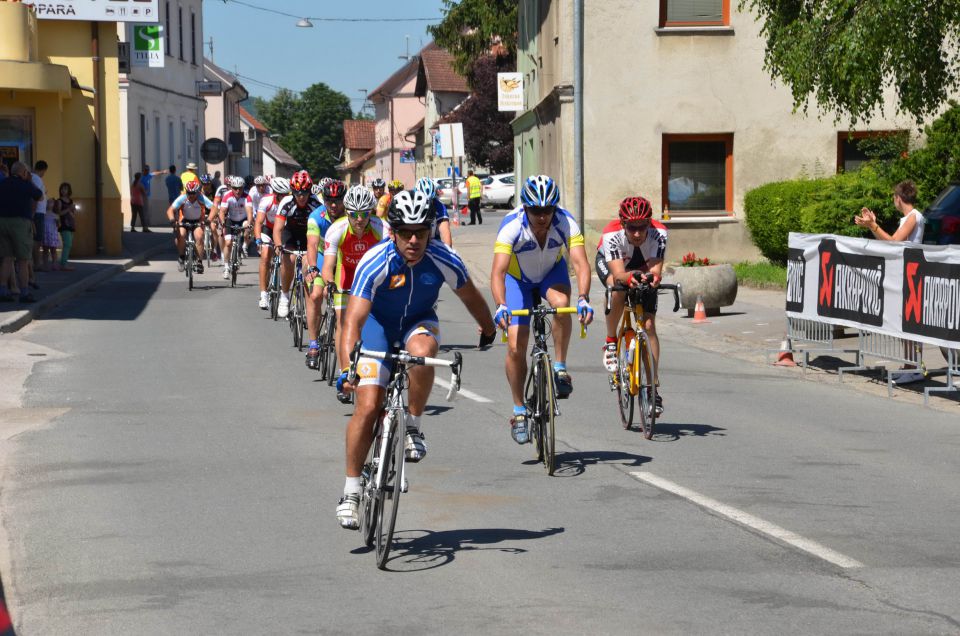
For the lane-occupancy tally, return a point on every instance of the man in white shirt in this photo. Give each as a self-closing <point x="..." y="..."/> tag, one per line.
<point x="39" y="215"/>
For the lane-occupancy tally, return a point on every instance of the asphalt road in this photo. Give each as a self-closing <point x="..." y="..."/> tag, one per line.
<point x="179" y="469"/>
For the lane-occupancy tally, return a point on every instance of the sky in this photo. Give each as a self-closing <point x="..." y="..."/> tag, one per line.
<point x="268" y="50"/>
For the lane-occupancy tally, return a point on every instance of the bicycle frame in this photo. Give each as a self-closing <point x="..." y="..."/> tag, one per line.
<point x="632" y="320"/>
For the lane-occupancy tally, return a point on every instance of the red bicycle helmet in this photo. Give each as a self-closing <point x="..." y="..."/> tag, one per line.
<point x="192" y="187"/>
<point x="635" y="209"/>
<point x="334" y="189"/>
<point x="301" y="181"/>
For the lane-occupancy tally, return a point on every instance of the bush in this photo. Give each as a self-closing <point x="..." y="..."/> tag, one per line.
<point x="838" y="198"/>
<point x="933" y="166"/>
<point x="773" y="211"/>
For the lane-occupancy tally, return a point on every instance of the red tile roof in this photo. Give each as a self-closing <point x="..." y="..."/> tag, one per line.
<point x="356" y="163"/>
<point x="253" y="121"/>
<point x="436" y="73"/>
<point x="358" y="134"/>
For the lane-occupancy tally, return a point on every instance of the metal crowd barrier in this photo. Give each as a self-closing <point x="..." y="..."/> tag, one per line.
<point x="807" y="336"/>
<point x="885" y="347"/>
<point x="953" y="373"/>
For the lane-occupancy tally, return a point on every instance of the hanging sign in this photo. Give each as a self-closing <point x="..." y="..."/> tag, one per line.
<point x="99" y="10"/>
<point x="147" y="45"/>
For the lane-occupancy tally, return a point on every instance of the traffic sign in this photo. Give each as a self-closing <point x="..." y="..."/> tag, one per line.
<point x="213" y="150"/>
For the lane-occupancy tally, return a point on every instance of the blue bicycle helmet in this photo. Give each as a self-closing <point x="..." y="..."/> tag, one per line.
<point x="206" y="179"/>
<point x="427" y="186"/>
<point x="540" y="191"/>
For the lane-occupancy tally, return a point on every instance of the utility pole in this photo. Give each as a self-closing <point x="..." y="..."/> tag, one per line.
<point x="210" y="44"/>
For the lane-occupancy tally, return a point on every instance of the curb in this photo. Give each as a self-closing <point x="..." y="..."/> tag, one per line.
<point x="22" y="318"/>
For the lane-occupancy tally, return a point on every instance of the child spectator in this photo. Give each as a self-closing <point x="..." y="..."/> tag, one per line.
<point x="65" y="209"/>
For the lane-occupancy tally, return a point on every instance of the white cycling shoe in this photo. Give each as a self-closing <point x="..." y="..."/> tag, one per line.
<point x="284" y="307"/>
<point x="348" y="511"/>
<point x="264" y="301"/>
<point x="610" y="357"/>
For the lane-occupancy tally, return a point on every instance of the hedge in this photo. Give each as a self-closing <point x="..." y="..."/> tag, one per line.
<point x="773" y="211"/>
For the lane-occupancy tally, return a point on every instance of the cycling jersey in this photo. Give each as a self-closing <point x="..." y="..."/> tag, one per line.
<point x="441" y="216"/>
<point x="268" y="206"/>
<point x="221" y="191"/>
<point x="255" y="197"/>
<point x="341" y="243"/>
<point x="235" y="206"/>
<point x="402" y="295"/>
<point x="191" y="210"/>
<point x="528" y="261"/>
<point x="615" y="246"/>
<point x="318" y="222"/>
<point x="383" y="205"/>
<point x="295" y="216"/>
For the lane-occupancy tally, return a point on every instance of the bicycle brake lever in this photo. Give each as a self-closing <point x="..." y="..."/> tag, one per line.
<point x="676" y="298"/>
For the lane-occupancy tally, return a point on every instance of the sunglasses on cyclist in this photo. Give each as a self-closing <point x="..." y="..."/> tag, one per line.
<point x="636" y="228"/>
<point x="406" y="234"/>
<point x="536" y="210"/>
<point x="301" y="193"/>
<point x="358" y="216"/>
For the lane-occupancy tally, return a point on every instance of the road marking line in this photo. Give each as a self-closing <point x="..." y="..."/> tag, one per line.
<point x="464" y="392"/>
<point x="750" y="521"/>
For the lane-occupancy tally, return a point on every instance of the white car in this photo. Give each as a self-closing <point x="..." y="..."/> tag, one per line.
<point x="499" y="189"/>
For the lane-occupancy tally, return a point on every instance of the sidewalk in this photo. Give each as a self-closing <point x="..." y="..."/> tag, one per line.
<point x="59" y="287"/>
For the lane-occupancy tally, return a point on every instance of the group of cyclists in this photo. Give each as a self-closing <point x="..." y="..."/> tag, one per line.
<point x="385" y="252"/>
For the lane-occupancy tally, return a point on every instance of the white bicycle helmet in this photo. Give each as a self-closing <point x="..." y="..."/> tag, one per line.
<point x="236" y="182"/>
<point x="411" y="207"/>
<point x="428" y="186"/>
<point x="316" y="189"/>
<point x="261" y="180"/>
<point x="359" y="199"/>
<point x="279" y="185"/>
<point x="540" y="191"/>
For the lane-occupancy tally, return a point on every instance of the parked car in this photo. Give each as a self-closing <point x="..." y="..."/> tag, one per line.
<point x="499" y="189"/>
<point x="943" y="217"/>
<point x="445" y="191"/>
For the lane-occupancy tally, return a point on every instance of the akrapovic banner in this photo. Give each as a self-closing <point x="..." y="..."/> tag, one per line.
<point x="901" y="289"/>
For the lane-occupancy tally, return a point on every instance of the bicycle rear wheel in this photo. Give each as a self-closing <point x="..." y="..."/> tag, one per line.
<point x="190" y="259"/>
<point x="389" y="494"/>
<point x="624" y="396"/>
<point x="235" y="262"/>
<point x="647" y="386"/>
<point x="328" y="354"/>
<point x="300" y="317"/>
<point x="546" y="424"/>
<point x="274" y="291"/>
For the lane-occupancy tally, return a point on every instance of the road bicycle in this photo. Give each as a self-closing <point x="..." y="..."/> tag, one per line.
<point x="273" y="286"/>
<point x="208" y="243"/>
<point x="384" y="475"/>
<point x="540" y="392"/>
<point x="236" y="254"/>
<point x="189" y="251"/>
<point x="635" y="379"/>
<point x="297" y="315"/>
<point x="327" y="338"/>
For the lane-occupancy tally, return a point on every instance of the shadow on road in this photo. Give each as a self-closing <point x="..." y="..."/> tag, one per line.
<point x="669" y="432"/>
<point x="122" y="298"/>
<point x="418" y="550"/>
<point x="574" y="463"/>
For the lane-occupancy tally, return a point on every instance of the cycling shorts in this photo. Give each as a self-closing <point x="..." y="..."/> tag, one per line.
<point x="266" y="238"/>
<point x="340" y="299"/>
<point x="520" y="293"/>
<point x="294" y="240"/>
<point x="376" y="337"/>
<point x="649" y="298"/>
<point x="232" y="228"/>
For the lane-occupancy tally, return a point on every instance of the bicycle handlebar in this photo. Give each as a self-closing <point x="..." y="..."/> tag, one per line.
<point x="404" y="357"/>
<point x="543" y="311"/>
<point x="675" y="288"/>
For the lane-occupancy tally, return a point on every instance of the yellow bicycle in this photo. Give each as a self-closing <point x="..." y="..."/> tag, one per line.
<point x="636" y="376"/>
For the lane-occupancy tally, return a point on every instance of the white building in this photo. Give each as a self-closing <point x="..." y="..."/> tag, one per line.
<point x="161" y="114"/>
<point x="223" y="118"/>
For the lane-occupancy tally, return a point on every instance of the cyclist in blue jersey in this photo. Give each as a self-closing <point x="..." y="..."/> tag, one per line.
<point x="527" y="260"/>
<point x="395" y="287"/>
<point x="442" y="224"/>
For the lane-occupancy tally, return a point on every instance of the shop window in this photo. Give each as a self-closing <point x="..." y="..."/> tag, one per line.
<point x="683" y="13"/>
<point x="16" y="138"/>
<point x="855" y="148"/>
<point x="698" y="174"/>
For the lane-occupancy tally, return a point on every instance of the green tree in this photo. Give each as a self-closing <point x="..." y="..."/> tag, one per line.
<point x="845" y="53"/>
<point x="309" y="126"/>
<point x="471" y="27"/>
<point x="487" y="134"/>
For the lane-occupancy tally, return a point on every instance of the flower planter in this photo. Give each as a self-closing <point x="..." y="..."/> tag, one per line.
<point x="715" y="284"/>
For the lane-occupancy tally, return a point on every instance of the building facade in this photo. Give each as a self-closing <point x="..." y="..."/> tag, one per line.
<point x="442" y="90"/>
<point x="677" y="108"/>
<point x="254" y="133"/>
<point x="222" y="118"/>
<point x="359" y="141"/>
<point x="277" y="162"/>
<point x="162" y="113"/>
<point x="396" y="110"/>
<point x="59" y="106"/>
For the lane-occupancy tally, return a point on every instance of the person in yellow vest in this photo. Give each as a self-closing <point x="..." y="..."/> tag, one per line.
<point x="474" y="190"/>
<point x="188" y="175"/>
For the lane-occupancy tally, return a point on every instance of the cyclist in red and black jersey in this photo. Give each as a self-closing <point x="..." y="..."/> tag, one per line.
<point x="290" y="231"/>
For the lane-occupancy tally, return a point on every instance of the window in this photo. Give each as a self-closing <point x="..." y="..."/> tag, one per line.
<point x="156" y="142"/>
<point x="857" y="148"/>
<point x="193" y="38"/>
<point x="698" y="174"/>
<point x="679" y="13"/>
<point x="173" y="149"/>
<point x="196" y="142"/>
<point x="180" y="30"/>
<point x="166" y="27"/>
<point x="183" y="140"/>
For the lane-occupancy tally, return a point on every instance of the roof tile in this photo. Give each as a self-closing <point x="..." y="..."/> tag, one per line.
<point x="358" y="134"/>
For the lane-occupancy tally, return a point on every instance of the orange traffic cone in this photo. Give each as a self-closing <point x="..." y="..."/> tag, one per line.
<point x="455" y="219"/>
<point x="699" y="312"/>
<point x="785" y="357"/>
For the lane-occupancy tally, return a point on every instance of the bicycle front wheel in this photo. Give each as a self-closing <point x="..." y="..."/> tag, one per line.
<point x="274" y="291"/>
<point x="235" y="263"/>
<point x="300" y="317"/>
<point x="647" y="385"/>
<point x="370" y="502"/>
<point x="328" y="354"/>
<point x="545" y="403"/>
<point x="391" y="487"/>
<point x="190" y="259"/>
<point x="622" y="378"/>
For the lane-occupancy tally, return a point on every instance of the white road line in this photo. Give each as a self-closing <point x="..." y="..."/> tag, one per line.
<point x="750" y="521"/>
<point x="464" y="392"/>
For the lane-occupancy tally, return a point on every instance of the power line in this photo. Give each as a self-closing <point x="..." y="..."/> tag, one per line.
<point x="328" y="19"/>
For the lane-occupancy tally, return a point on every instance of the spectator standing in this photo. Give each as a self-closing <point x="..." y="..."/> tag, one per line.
<point x="172" y="181"/>
<point x="146" y="179"/>
<point x="138" y="195"/>
<point x="40" y="214"/>
<point x="51" y="238"/>
<point x="216" y="181"/>
<point x="65" y="209"/>
<point x="18" y="197"/>
<point x="474" y="189"/>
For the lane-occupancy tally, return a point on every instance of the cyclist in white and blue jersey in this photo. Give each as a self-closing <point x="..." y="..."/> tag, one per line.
<point x="395" y="288"/>
<point x="442" y="223"/>
<point x="527" y="260"/>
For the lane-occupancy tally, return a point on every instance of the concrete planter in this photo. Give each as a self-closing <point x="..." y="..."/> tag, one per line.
<point x="715" y="284"/>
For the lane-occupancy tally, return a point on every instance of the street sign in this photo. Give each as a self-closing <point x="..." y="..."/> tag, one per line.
<point x="99" y="10"/>
<point x="408" y="156"/>
<point x="213" y="150"/>
<point x="451" y="140"/>
<point x="453" y="171"/>
<point x="213" y="88"/>
<point x="510" y="91"/>
<point x="147" y="45"/>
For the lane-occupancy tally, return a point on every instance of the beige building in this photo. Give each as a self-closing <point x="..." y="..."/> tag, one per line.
<point x="396" y="110"/>
<point x="442" y="90"/>
<point x="359" y="141"/>
<point x="222" y="118"/>
<point x="677" y="108"/>
<point x="60" y="104"/>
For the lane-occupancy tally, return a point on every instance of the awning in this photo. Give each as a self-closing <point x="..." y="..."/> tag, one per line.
<point x="34" y="76"/>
